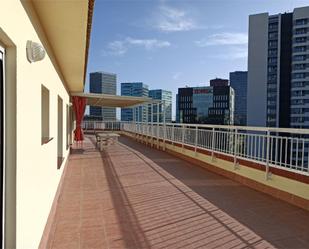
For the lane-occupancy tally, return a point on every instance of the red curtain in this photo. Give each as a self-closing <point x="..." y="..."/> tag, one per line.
<point x="79" y="105"/>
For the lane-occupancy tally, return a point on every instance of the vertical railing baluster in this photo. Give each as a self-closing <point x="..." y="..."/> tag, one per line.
<point x="213" y="144"/>
<point x="267" y="153"/>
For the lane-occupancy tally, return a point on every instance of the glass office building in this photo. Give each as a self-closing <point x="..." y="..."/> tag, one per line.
<point x="205" y="105"/>
<point x="137" y="89"/>
<point x="165" y="107"/>
<point x="238" y="81"/>
<point x="102" y="82"/>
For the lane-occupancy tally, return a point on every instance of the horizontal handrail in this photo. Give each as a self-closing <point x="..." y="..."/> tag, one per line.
<point x="273" y="147"/>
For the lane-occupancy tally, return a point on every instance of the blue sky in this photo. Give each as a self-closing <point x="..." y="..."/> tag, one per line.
<point x="171" y="44"/>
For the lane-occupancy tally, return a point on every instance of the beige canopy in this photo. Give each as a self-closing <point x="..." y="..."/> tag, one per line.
<point x="106" y="100"/>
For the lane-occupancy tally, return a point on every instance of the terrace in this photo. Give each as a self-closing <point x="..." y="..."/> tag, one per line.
<point x="162" y="186"/>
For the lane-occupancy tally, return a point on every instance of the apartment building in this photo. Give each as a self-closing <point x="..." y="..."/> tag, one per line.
<point x="278" y="69"/>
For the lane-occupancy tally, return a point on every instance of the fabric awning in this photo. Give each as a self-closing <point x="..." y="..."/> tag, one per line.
<point x="106" y="100"/>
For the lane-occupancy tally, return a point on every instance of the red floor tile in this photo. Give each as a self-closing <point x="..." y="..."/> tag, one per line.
<point x="132" y="196"/>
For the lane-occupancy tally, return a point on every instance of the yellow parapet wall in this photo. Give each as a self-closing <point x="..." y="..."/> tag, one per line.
<point x="290" y="190"/>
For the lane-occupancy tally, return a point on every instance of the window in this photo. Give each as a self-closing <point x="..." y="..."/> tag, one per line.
<point x="272" y="60"/>
<point x="299" y="57"/>
<point x="45" y="115"/>
<point x="273" y="26"/>
<point x="300" y="49"/>
<point x="303" y="21"/>
<point x="273" y="44"/>
<point x="272" y="52"/>
<point x="300" y="66"/>
<point x="300" y="39"/>
<point x="300" y="31"/>
<point x="298" y="75"/>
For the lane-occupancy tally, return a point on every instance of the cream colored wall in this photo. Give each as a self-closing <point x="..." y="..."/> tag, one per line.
<point x="37" y="176"/>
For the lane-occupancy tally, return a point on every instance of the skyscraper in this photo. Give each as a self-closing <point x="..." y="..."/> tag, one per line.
<point x="101" y="82"/>
<point x="166" y="98"/>
<point x="278" y="76"/>
<point x="238" y="81"/>
<point x="137" y="89"/>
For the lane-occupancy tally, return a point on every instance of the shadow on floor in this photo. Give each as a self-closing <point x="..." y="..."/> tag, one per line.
<point x="280" y="223"/>
<point x="131" y="234"/>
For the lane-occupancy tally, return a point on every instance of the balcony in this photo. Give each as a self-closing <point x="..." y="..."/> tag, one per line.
<point x="140" y="193"/>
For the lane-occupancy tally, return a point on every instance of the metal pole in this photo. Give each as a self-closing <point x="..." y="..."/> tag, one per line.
<point x="164" y="126"/>
<point x="158" y="131"/>
<point x="183" y="137"/>
<point x="235" y="149"/>
<point x="267" y="153"/>
<point x="213" y="144"/>
<point x="152" y="110"/>
<point x="196" y="137"/>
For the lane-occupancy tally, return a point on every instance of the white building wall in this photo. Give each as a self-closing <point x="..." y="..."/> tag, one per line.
<point x="257" y="70"/>
<point x="37" y="176"/>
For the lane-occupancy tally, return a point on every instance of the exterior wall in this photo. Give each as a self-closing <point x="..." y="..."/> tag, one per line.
<point x="202" y="101"/>
<point x="219" y="82"/>
<point x="137" y="89"/>
<point x="101" y="82"/>
<point x="285" y="70"/>
<point x="37" y="176"/>
<point x="257" y="70"/>
<point x="165" y="96"/>
<point x="238" y="81"/>
<point x="206" y="105"/>
<point x="300" y="70"/>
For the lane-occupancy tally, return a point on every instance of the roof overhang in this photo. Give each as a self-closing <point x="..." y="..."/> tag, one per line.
<point x="106" y="100"/>
<point x="67" y="26"/>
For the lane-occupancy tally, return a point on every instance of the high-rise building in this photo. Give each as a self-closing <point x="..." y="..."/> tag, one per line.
<point x="206" y="105"/>
<point x="238" y="81"/>
<point x="278" y="70"/>
<point x="137" y="89"/>
<point x="101" y="82"/>
<point x="164" y="107"/>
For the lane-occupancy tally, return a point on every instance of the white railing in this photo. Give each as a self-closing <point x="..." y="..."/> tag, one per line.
<point x="273" y="147"/>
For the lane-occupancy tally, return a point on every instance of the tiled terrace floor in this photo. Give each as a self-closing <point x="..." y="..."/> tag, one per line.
<point x="132" y="196"/>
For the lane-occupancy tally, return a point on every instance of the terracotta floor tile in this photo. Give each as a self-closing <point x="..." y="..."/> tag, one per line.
<point x="131" y="196"/>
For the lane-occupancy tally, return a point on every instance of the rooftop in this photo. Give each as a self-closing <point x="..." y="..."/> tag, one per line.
<point x="134" y="196"/>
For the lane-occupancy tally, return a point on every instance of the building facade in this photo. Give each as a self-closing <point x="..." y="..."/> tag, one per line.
<point x="37" y="110"/>
<point x="101" y="82"/>
<point x="238" y="81"/>
<point x="278" y="71"/>
<point x="137" y="89"/>
<point x="164" y="108"/>
<point x="205" y="105"/>
<point x="219" y="82"/>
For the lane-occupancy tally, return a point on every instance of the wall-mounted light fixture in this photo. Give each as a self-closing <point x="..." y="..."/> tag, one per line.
<point x="35" y="51"/>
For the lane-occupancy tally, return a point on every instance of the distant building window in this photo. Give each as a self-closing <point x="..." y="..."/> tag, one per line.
<point x="300" y="31"/>
<point x="44" y="115"/>
<point x="300" y="39"/>
<point x="303" y="21"/>
<point x="299" y="58"/>
<point x="300" y="49"/>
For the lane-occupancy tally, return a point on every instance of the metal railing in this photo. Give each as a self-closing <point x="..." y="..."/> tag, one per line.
<point x="273" y="147"/>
